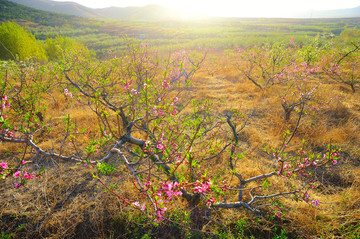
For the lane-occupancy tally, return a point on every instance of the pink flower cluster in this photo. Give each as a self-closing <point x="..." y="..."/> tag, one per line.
<point x="160" y="112"/>
<point x="298" y="167"/>
<point x="127" y="86"/>
<point x="202" y="188"/>
<point x="168" y="189"/>
<point x="137" y="204"/>
<point x="292" y="40"/>
<point x="67" y="93"/>
<point x="28" y="175"/>
<point x="86" y="165"/>
<point x="160" y="146"/>
<point x="165" y="84"/>
<point x="6" y="171"/>
<point x="316" y="202"/>
<point x="334" y="69"/>
<point x="210" y="201"/>
<point x="5" y="102"/>
<point x="3" y="165"/>
<point x="135" y="91"/>
<point x="167" y="192"/>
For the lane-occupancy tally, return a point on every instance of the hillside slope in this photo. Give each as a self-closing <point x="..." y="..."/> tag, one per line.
<point x="13" y="11"/>
<point x="69" y="8"/>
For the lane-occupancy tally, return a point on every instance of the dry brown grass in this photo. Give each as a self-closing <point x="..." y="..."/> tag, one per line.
<point x="68" y="203"/>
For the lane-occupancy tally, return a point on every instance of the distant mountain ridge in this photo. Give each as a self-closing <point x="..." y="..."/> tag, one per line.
<point x="153" y="12"/>
<point x="338" y="13"/>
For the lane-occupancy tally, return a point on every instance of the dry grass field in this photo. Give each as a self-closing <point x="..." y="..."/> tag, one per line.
<point x="68" y="202"/>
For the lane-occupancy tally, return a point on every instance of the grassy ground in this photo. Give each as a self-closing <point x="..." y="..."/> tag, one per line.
<point x="67" y="202"/>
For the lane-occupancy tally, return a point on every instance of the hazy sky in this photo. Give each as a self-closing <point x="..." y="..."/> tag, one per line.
<point x="230" y="8"/>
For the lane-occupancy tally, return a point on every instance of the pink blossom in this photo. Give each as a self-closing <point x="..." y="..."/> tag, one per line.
<point x="137" y="204"/>
<point x="176" y="99"/>
<point x="210" y="201"/>
<point x="199" y="189"/>
<point x="16" y="174"/>
<point x="165" y="84"/>
<point x="174" y="112"/>
<point x="316" y="202"/>
<point x="143" y="207"/>
<point x="159" y="218"/>
<point x="158" y="194"/>
<point x="160" y="212"/>
<point x="168" y="187"/>
<point x="203" y="188"/>
<point x="292" y="41"/>
<point x="160" y="146"/>
<point x="160" y="112"/>
<point x="334" y="162"/>
<point x="28" y="175"/>
<point x="278" y="214"/>
<point x="23" y="162"/>
<point x="4" y="165"/>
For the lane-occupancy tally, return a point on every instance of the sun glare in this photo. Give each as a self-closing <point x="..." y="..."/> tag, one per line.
<point x="226" y="9"/>
<point x="231" y="8"/>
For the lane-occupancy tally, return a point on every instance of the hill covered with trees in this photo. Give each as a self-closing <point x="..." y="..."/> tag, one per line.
<point x="12" y="11"/>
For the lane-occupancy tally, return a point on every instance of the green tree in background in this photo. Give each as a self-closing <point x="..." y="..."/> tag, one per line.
<point x="17" y="43"/>
<point x="350" y="35"/>
<point x="56" y="48"/>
